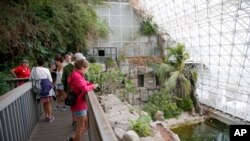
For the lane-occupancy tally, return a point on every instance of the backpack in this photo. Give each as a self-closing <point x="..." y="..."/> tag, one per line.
<point x="36" y="86"/>
<point x="41" y="86"/>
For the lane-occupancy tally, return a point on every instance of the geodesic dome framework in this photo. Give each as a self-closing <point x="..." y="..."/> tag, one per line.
<point x="216" y="34"/>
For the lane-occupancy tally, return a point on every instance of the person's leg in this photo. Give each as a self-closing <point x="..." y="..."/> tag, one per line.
<point x="85" y="124"/>
<point x="79" y="128"/>
<point x="58" y="99"/>
<point x="62" y="99"/>
<point x="63" y="95"/>
<point x="49" y="108"/>
<point x="59" y="93"/>
<point x="82" y="124"/>
<point x="73" y="120"/>
<point x="45" y="110"/>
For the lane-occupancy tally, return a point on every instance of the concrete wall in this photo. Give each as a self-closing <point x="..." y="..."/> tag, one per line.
<point x="124" y="34"/>
<point x="142" y="94"/>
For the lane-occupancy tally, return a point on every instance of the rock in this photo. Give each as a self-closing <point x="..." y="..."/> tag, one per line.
<point x="159" y="116"/>
<point x="176" y="137"/>
<point x="153" y="124"/>
<point x="144" y="98"/>
<point x="140" y="112"/>
<point x="123" y="124"/>
<point x="130" y="136"/>
<point x="119" y="133"/>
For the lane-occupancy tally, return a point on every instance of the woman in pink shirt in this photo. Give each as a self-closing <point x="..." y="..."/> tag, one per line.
<point x="80" y="86"/>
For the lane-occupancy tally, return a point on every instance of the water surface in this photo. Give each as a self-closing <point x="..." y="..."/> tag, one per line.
<point x="210" y="130"/>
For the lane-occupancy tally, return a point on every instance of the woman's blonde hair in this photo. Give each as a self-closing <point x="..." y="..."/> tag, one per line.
<point x="81" y="63"/>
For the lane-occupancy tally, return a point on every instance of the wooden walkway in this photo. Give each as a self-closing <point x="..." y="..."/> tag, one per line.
<point x="58" y="130"/>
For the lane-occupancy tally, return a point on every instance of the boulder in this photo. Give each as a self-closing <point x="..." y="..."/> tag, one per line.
<point x="119" y="133"/>
<point x="130" y="136"/>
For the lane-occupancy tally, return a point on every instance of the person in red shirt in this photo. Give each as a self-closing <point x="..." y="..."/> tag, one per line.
<point x="80" y="87"/>
<point x="22" y="71"/>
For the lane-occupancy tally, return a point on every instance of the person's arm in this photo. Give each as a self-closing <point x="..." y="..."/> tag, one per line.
<point x="13" y="72"/>
<point x="83" y="85"/>
<point x="64" y="79"/>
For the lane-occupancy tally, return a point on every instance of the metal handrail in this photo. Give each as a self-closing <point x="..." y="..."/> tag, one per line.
<point x="99" y="127"/>
<point x="13" y="82"/>
<point x="11" y="96"/>
<point x="19" y="113"/>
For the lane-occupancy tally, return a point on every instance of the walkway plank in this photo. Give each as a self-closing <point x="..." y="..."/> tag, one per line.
<point x="58" y="130"/>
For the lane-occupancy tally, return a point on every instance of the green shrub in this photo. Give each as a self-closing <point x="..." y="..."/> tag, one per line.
<point x="109" y="81"/>
<point x="151" y="109"/>
<point x="92" y="60"/>
<point x="141" y="126"/>
<point x="161" y="101"/>
<point x="109" y="62"/>
<point x="33" y="28"/>
<point x="185" y="104"/>
<point x="4" y="87"/>
<point x="148" y="27"/>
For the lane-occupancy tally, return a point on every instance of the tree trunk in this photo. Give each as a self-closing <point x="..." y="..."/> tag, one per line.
<point x="195" y="100"/>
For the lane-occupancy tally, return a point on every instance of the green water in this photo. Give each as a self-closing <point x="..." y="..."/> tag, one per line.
<point x="210" y="130"/>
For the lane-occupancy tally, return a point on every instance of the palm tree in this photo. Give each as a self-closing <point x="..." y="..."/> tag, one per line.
<point x="177" y="80"/>
<point x="193" y="76"/>
<point x="171" y="73"/>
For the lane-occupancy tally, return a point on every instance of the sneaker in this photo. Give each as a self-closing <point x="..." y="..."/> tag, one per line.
<point x="64" y="108"/>
<point x="69" y="139"/>
<point x="57" y="108"/>
<point x="52" y="119"/>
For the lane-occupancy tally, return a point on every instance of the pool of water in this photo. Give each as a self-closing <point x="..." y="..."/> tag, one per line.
<point x="210" y="130"/>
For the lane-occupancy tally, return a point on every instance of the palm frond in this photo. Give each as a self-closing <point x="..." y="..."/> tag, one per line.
<point x="185" y="84"/>
<point x="155" y="67"/>
<point x="172" y="80"/>
<point x="194" y="75"/>
<point x="163" y="71"/>
<point x="185" y="55"/>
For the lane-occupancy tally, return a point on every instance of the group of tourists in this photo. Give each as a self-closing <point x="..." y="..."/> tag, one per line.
<point x="65" y="76"/>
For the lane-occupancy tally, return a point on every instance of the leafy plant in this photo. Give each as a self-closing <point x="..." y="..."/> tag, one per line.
<point x="45" y="28"/>
<point x="122" y="55"/>
<point x="162" y="101"/>
<point x="172" y="72"/>
<point x="109" y="62"/>
<point x="185" y="104"/>
<point x="4" y="86"/>
<point x="141" y="126"/>
<point x="148" y="27"/>
<point x="178" y="80"/>
<point x="92" y="60"/>
<point x="110" y="80"/>
<point x="151" y="109"/>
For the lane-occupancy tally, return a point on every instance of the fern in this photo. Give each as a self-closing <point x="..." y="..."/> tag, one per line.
<point x="141" y="126"/>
